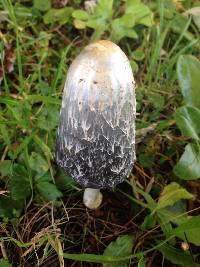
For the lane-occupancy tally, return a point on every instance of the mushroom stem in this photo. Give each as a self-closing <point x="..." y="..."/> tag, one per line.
<point x="92" y="198"/>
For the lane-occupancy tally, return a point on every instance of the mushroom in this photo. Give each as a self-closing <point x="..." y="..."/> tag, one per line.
<point x="96" y="135"/>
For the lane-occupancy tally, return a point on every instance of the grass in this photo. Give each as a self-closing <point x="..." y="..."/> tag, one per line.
<point x="43" y="220"/>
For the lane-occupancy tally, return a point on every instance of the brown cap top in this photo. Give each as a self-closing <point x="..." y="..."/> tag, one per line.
<point x="102" y="47"/>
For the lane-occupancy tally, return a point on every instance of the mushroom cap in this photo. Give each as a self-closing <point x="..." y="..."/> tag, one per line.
<point x="96" y="134"/>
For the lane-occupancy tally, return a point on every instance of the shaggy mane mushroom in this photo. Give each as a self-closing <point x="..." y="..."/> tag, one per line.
<point x="96" y="134"/>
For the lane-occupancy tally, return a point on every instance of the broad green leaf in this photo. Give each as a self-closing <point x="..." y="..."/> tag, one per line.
<point x="5" y="134"/>
<point x="45" y="148"/>
<point x="10" y="208"/>
<point x="122" y="246"/>
<point x="98" y="19"/>
<point x="165" y="218"/>
<point x="64" y="182"/>
<point x="117" y="30"/>
<point x="188" y="167"/>
<point x="94" y="24"/>
<point x="157" y="100"/>
<point x="140" y="12"/>
<point x="130" y="33"/>
<point x="79" y="24"/>
<point x="141" y="262"/>
<point x="175" y="213"/>
<point x="130" y="4"/>
<point x="43" y="88"/>
<point x="103" y="9"/>
<point x="171" y="194"/>
<point x="179" y="23"/>
<point x="20" y="183"/>
<point x="21" y="112"/>
<point x="134" y="66"/>
<point x="164" y="222"/>
<point x="22" y="13"/>
<point x="42" y="5"/>
<point x="120" y="30"/>
<point x="80" y="14"/>
<point x="48" y="118"/>
<point x="188" y="71"/>
<point x="147" y="20"/>
<point x="5" y="167"/>
<point x="38" y="163"/>
<point x="127" y="20"/>
<point x="43" y="40"/>
<point x="138" y="54"/>
<point x="5" y="263"/>
<point x="48" y="191"/>
<point x="188" y="120"/>
<point x="46" y="177"/>
<point x="149" y="222"/>
<point x="189" y="230"/>
<point x="146" y="160"/>
<point x="60" y="16"/>
<point x="176" y="256"/>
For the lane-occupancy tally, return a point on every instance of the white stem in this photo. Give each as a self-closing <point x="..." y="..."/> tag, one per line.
<point x="92" y="198"/>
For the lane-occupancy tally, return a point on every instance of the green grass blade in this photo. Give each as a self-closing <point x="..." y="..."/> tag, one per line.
<point x="106" y="259"/>
<point x="58" y="73"/>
